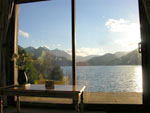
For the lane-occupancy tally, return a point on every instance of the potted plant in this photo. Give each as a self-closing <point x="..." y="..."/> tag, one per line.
<point x="20" y="63"/>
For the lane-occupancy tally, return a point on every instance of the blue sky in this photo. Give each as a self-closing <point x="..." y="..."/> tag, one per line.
<point x="102" y="25"/>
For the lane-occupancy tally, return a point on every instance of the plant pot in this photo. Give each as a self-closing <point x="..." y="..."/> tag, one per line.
<point x="22" y="77"/>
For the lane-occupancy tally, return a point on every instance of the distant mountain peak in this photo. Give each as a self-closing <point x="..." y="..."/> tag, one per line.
<point x="61" y="53"/>
<point x="45" y="47"/>
<point x="30" y="47"/>
<point x="42" y="48"/>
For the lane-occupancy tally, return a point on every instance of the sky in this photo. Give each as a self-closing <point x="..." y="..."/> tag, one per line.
<point x="102" y="26"/>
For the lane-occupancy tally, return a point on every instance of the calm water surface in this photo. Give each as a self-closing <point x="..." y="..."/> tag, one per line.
<point x="108" y="78"/>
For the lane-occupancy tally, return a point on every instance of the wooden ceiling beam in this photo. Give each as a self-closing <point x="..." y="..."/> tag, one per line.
<point x="28" y="1"/>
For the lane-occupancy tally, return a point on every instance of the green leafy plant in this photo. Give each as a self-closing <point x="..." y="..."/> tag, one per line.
<point x="20" y="60"/>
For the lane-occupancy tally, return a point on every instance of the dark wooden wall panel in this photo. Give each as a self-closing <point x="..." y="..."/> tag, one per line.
<point x="6" y="44"/>
<point x="147" y="9"/>
<point x="145" y="37"/>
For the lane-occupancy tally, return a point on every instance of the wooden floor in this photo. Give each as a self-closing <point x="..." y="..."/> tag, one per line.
<point x="48" y="110"/>
<point x="44" y="110"/>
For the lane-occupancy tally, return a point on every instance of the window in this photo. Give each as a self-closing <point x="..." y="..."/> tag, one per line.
<point x="103" y="30"/>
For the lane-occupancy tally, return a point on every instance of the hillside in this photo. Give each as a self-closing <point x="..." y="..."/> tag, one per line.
<point x="36" y="52"/>
<point x="132" y="58"/>
<point x="57" y="56"/>
<point x="60" y="53"/>
<point x="120" y="54"/>
<point x="62" y="58"/>
<point x="84" y="58"/>
<point x="102" y="60"/>
<point x="119" y="58"/>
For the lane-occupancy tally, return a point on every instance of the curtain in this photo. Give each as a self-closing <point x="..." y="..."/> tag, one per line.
<point x="6" y="8"/>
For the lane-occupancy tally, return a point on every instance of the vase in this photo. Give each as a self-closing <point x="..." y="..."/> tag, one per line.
<point x="22" y="77"/>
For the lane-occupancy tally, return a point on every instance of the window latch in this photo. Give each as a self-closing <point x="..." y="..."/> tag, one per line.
<point x="140" y="47"/>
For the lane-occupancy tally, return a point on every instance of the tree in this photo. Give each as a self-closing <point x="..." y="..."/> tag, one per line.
<point x="35" y="67"/>
<point x="56" y="73"/>
<point x="31" y="71"/>
<point x="26" y="61"/>
<point x="51" y="70"/>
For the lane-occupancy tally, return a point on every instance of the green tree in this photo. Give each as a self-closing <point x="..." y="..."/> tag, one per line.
<point x="31" y="71"/>
<point x="35" y="67"/>
<point x="50" y="69"/>
<point x="27" y="62"/>
<point x="57" y="73"/>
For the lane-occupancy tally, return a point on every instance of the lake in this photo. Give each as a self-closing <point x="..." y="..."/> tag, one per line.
<point x="108" y="78"/>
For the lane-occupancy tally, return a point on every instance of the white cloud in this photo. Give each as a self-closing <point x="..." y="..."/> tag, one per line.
<point x="87" y="51"/>
<point x="127" y="44"/>
<point x="130" y="32"/>
<point x="120" y="25"/>
<point x="24" y="34"/>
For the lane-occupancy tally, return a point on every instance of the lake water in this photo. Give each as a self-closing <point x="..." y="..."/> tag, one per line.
<point x="108" y="78"/>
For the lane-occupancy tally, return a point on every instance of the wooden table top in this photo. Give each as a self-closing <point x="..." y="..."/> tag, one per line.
<point x="40" y="88"/>
<point x="71" y="88"/>
<point x="59" y="91"/>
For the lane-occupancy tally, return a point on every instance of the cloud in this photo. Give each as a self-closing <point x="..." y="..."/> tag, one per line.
<point x="24" y="34"/>
<point x="130" y="32"/>
<point x="87" y="51"/>
<point x="126" y="44"/>
<point x="120" y="25"/>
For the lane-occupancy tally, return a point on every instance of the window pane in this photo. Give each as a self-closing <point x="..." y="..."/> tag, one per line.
<point x="108" y="62"/>
<point x="45" y="37"/>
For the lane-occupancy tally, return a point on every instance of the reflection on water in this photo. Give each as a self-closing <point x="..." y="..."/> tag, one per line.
<point x="138" y="71"/>
<point x="108" y="78"/>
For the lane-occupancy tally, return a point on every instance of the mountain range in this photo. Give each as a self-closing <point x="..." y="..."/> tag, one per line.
<point x="62" y="58"/>
<point x="56" y="52"/>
